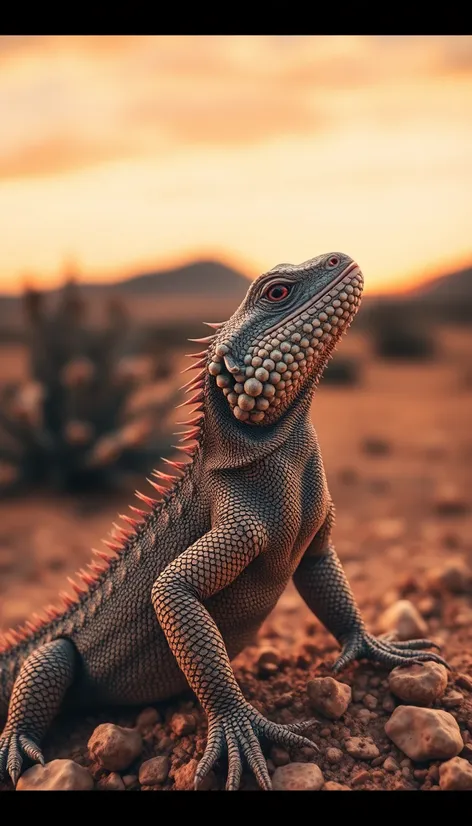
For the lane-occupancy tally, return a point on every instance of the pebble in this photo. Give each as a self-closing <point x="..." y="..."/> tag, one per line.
<point x="57" y="776"/>
<point x="114" y="747"/>
<point x="129" y="780"/>
<point x="404" y="618"/>
<point x="329" y="696"/>
<point x="334" y="755"/>
<point x="455" y="576"/>
<point x="362" y="748"/>
<point x="147" y="719"/>
<point x="361" y="777"/>
<point x="448" y="500"/>
<point x="111" y="783"/>
<point x="298" y="777"/>
<point x="280" y="757"/>
<point x="388" y="703"/>
<point x="419" y="684"/>
<point x="391" y="765"/>
<point x="455" y="775"/>
<point x="185" y="776"/>
<point x="154" y="771"/>
<point x="182" y="724"/>
<point x="332" y="786"/>
<point x="452" y="699"/>
<point x="268" y="662"/>
<point x="424" y="733"/>
<point x="464" y="681"/>
<point x="370" y="701"/>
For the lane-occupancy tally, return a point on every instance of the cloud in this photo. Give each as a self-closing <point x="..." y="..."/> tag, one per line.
<point x="67" y="102"/>
<point x="56" y="154"/>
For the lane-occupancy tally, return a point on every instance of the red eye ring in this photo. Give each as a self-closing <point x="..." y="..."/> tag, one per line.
<point x="277" y="292"/>
<point x="333" y="261"/>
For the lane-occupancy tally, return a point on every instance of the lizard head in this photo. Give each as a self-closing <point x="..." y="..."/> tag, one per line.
<point x="280" y="338"/>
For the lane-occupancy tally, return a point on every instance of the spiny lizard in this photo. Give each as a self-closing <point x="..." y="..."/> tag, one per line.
<point x="191" y="579"/>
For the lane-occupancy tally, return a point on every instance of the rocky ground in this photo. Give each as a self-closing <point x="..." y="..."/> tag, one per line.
<point x="397" y="449"/>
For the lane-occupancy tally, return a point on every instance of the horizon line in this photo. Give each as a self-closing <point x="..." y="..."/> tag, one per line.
<point x="72" y="271"/>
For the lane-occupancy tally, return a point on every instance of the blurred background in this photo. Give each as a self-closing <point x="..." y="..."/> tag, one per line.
<point x="144" y="181"/>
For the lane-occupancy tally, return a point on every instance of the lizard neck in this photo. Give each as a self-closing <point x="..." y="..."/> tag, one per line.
<point x="229" y="443"/>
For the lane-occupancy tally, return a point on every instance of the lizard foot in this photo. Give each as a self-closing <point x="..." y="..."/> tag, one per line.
<point x="361" y="645"/>
<point x="236" y="733"/>
<point x="14" y="746"/>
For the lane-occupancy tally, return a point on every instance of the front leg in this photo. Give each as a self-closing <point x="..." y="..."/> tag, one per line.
<point x="234" y="726"/>
<point x="322" y="583"/>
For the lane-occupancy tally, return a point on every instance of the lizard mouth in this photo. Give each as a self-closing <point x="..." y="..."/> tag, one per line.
<point x="276" y="364"/>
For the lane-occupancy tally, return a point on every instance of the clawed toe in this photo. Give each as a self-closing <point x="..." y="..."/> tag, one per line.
<point x="13" y="748"/>
<point x="238" y="735"/>
<point x="387" y="651"/>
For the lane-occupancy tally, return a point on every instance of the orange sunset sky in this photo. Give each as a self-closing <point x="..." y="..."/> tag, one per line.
<point x="123" y="153"/>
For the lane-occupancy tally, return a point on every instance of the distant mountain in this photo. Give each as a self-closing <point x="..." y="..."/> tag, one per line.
<point x="202" y="277"/>
<point x="452" y="287"/>
<point x="192" y="291"/>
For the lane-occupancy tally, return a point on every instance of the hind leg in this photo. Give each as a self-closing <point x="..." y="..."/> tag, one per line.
<point x="36" y="698"/>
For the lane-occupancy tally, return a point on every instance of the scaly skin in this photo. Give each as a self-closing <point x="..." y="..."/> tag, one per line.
<point x="194" y="579"/>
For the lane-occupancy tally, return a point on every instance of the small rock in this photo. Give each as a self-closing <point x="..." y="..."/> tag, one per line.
<point x="57" y="776"/>
<point x="391" y="765"/>
<point x="182" y="724"/>
<point x="298" y="777"/>
<point x="362" y="748"/>
<point x="448" y="501"/>
<point x="418" y="684"/>
<point x="130" y="780"/>
<point x="376" y="446"/>
<point x="424" y="733"/>
<point x="427" y="606"/>
<point x="370" y="701"/>
<point x="147" y="719"/>
<point x="332" y="786"/>
<point x="268" y="662"/>
<point x="280" y="757"/>
<point x="455" y="775"/>
<point x="388" y="703"/>
<point x="464" y="681"/>
<point x="358" y="695"/>
<point x="360" y="778"/>
<point x="111" y="783"/>
<point x="329" y="696"/>
<point x="334" y="755"/>
<point x="154" y="771"/>
<point x="454" y="576"/>
<point x="185" y="775"/>
<point x="114" y="747"/>
<point x="308" y="753"/>
<point x="403" y="618"/>
<point x="284" y="701"/>
<point x="452" y="699"/>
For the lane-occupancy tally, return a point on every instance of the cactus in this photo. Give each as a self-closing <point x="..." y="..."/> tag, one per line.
<point x="76" y="421"/>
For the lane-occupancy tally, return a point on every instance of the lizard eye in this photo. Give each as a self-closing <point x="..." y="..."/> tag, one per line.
<point x="277" y="292"/>
<point x="333" y="261"/>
